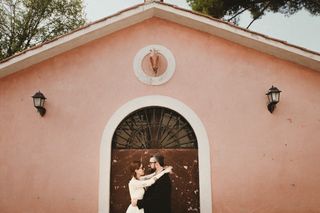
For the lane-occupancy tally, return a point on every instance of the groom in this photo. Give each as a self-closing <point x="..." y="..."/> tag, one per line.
<point x="157" y="198"/>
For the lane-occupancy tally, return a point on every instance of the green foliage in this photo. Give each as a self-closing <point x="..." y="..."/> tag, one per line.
<point x="231" y="9"/>
<point x="25" y="23"/>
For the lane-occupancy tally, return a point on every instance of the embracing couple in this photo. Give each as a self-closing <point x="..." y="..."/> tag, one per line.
<point x="150" y="193"/>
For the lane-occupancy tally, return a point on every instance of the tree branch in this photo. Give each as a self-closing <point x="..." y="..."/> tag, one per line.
<point x="246" y="8"/>
<point x="238" y="14"/>
<point x="260" y="14"/>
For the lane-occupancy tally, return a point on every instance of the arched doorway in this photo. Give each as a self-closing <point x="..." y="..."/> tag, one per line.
<point x="144" y="132"/>
<point x="204" y="163"/>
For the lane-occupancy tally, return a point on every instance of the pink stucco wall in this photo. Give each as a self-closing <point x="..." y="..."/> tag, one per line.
<point x="261" y="162"/>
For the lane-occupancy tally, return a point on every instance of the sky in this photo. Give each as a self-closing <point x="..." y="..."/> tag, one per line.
<point x="301" y="29"/>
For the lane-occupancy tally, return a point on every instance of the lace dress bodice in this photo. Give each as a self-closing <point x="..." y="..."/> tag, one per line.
<point x="136" y="187"/>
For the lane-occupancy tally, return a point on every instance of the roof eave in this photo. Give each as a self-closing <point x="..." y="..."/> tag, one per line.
<point x="171" y="13"/>
<point x="75" y="39"/>
<point x="257" y="41"/>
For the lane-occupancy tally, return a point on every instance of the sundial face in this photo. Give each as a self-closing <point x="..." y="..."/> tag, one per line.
<point x="162" y="65"/>
<point x="154" y="65"/>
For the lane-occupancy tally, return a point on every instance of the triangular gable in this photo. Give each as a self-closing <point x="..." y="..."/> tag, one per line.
<point x="141" y="12"/>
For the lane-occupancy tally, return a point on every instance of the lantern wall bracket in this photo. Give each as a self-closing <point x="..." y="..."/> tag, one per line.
<point x="41" y="110"/>
<point x="271" y="107"/>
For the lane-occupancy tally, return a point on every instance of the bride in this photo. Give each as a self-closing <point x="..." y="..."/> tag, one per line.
<point x="139" y="182"/>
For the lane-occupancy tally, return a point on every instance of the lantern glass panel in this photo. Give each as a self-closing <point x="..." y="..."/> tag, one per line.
<point x="42" y="102"/>
<point x="37" y="102"/>
<point x="274" y="97"/>
<point x="278" y="96"/>
<point x="269" y="97"/>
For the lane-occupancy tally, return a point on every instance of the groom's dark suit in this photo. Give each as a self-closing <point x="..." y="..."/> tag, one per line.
<point x="157" y="198"/>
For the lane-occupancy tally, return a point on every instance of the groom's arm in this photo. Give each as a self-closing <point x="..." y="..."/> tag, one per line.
<point x="163" y="188"/>
<point x="148" y="202"/>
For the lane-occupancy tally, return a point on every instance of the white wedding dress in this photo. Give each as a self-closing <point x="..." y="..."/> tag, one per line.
<point x="136" y="188"/>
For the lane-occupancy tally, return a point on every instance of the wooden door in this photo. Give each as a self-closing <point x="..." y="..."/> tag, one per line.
<point x="148" y="131"/>
<point x="185" y="178"/>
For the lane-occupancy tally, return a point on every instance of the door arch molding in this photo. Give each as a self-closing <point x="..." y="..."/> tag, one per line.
<point x="188" y="114"/>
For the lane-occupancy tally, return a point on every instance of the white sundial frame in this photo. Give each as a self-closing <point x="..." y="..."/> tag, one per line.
<point x="154" y="80"/>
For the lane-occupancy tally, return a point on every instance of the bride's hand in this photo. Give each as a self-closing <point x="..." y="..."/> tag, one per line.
<point x="169" y="169"/>
<point x="134" y="202"/>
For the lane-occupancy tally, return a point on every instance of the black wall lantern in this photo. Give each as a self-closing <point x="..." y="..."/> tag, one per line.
<point x="38" y="102"/>
<point x="273" y="98"/>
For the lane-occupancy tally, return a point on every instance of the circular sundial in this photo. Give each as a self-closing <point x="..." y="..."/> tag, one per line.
<point x="154" y="65"/>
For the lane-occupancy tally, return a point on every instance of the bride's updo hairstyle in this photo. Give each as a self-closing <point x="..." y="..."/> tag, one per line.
<point x="133" y="167"/>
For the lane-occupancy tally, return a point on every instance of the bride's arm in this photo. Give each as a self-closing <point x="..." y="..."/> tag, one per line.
<point x="146" y="177"/>
<point x="166" y="170"/>
<point x="144" y="183"/>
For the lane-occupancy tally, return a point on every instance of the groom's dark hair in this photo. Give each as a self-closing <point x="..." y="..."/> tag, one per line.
<point x="159" y="158"/>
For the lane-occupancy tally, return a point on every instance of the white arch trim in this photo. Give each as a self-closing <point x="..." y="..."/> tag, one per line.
<point x="188" y="114"/>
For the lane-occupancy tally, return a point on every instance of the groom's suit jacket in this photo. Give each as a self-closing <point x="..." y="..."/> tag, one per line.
<point x="157" y="198"/>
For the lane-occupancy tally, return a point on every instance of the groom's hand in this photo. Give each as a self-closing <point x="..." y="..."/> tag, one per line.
<point x="134" y="202"/>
